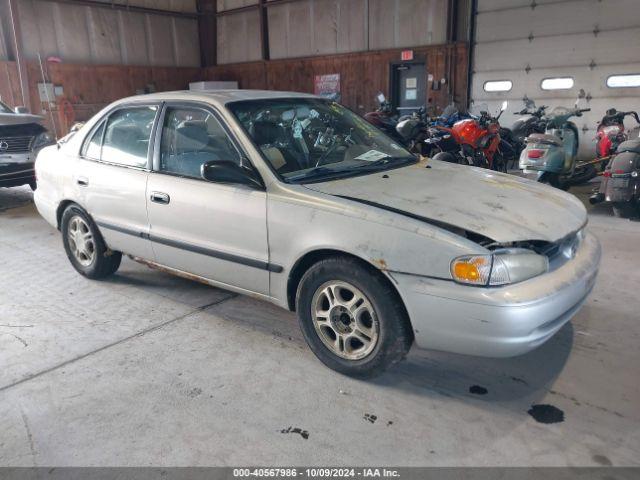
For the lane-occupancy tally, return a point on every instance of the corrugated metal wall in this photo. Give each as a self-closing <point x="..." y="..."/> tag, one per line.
<point x="95" y="35"/>
<point x="324" y="27"/>
<point x="525" y="42"/>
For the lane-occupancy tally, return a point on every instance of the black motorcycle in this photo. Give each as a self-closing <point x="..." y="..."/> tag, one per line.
<point x="621" y="181"/>
<point x="514" y="138"/>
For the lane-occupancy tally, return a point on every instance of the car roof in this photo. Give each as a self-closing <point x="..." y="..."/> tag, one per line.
<point x="216" y="97"/>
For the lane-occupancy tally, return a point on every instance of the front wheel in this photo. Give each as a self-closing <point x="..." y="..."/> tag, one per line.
<point x="352" y="318"/>
<point x="85" y="247"/>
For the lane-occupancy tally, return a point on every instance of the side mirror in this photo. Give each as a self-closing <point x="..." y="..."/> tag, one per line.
<point x="225" y="171"/>
<point x="504" y="106"/>
<point x="381" y="98"/>
<point x="21" y="110"/>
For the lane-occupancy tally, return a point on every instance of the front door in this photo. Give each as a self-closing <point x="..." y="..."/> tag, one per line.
<point x="216" y="231"/>
<point x="409" y="87"/>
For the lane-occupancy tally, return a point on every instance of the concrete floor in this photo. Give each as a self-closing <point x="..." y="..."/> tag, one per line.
<point x="149" y="369"/>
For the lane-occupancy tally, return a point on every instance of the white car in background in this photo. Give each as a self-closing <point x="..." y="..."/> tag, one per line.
<point x="296" y="200"/>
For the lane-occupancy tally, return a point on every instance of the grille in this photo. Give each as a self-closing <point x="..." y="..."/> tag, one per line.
<point x="15" y="144"/>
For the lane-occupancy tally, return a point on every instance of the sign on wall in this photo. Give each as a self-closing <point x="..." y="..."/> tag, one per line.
<point x="327" y="86"/>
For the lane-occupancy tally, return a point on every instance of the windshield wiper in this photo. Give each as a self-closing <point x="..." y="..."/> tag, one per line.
<point x="383" y="162"/>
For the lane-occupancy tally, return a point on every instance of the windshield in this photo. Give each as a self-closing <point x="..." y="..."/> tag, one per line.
<point x="309" y="139"/>
<point x="4" y="108"/>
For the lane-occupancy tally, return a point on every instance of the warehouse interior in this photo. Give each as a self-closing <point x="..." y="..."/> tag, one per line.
<point x="148" y="369"/>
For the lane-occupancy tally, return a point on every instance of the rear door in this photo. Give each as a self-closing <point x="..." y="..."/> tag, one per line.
<point x="111" y="177"/>
<point x="213" y="230"/>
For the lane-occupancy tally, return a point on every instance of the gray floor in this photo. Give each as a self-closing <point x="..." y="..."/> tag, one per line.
<point x="148" y="369"/>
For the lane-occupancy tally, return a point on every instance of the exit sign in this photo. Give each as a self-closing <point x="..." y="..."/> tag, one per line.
<point x="406" y="55"/>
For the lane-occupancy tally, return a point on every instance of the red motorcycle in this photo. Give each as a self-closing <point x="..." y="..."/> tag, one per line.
<point x="479" y="142"/>
<point x="611" y="132"/>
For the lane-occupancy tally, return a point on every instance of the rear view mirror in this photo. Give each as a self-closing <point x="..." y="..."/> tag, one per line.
<point x="225" y="171"/>
<point x="504" y="106"/>
<point x="21" y="110"/>
<point x="381" y="98"/>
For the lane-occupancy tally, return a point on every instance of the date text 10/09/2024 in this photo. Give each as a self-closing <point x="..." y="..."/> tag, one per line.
<point x="316" y="472"/>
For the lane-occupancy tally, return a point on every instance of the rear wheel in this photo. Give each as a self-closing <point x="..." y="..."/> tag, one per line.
<point x="623" y="209"/>
<point x="85" y="247"/>
<point x="351" y="318"/>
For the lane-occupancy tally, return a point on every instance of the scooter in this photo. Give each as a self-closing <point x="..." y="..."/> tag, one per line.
<point x="479" y="142"/>
<point x="552" y="156"/>
<point x="621" y="181"/>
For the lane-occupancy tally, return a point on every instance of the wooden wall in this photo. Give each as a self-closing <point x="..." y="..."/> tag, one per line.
<point x="88" y="88"/>
<point x="363" y="75"/>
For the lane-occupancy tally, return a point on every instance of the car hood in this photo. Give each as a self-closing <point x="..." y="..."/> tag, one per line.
<point x="18" y="119"/>
<point x="502" y="207"/>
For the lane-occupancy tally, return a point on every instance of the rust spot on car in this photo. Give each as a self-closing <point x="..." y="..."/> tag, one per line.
<point x="381" y="263"/>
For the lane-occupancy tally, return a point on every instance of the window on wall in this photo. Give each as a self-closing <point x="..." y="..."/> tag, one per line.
<point x="624" y="81"/>
<point x="557" y="83"/>
<point x="498" y="85"/>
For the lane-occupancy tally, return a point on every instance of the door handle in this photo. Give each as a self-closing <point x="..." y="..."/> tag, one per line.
<point x="159" y="197"/>
<point x="82" y="181"/>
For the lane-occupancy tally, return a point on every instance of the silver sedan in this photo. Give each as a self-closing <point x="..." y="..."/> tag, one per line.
<point x="294" y="199"/>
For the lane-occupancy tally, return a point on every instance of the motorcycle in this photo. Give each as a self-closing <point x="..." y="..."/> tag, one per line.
<point x="531" y="122"/>
<point x="552" y="155"/>
<point x="385" y="118"/>
<point x="478" y="140"/>
<point x="421" y="137"/>
<point x="621" y="180"/>
<point x="611" y="133"/>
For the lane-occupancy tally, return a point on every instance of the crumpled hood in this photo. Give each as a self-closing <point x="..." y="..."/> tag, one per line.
<point x="18" y="119"/>
<point x="502" y="207"/>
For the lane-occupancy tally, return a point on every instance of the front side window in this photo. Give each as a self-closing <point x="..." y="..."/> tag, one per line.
<point x="127" y="136"/>
<point x="309" y="139"/>
<point x="192" y="137"/>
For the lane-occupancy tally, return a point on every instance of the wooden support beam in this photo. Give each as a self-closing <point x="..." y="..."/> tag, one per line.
<point x="208" y="32"/>
<point x="264" y="30"/>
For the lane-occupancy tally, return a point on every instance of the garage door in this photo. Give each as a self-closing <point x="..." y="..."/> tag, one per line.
<point x="589" y="44"/>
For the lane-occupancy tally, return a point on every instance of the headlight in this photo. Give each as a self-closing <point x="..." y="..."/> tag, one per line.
<point x="43" y="139"/>
<point x="500" y="268"/>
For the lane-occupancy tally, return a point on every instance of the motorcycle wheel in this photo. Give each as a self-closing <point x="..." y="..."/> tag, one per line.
<point x="446" y="157"/>
<point x="552" y="180"/>
<point x="623" y="209"/>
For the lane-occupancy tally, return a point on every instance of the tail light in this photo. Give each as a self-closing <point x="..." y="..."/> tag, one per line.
<point x="536" y="153"/>
<point x="618" y="172"/>
<point x="607" y="173"/>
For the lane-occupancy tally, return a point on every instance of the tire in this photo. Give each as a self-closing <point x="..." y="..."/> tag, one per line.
<point x="551" y="179"/>
<point x="623" y="209"/>
<point x="85" y="246"/>
<point x="446" y="157"/>
<point x="381" y="316"/>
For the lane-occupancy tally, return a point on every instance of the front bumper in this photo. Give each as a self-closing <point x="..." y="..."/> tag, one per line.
<point x="499" y="322"/>
<point x="16" y="169"/>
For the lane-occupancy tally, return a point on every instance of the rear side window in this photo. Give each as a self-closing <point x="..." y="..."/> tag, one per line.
<point x="127" y="136"/>
<point x="94" y="145"/>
